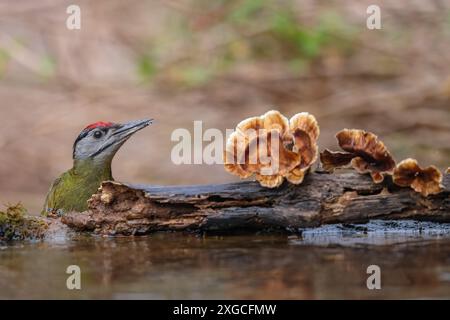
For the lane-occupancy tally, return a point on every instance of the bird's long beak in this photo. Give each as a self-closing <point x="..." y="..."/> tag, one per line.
<point x="127" y="129"/>
<point x="121" y="134"/>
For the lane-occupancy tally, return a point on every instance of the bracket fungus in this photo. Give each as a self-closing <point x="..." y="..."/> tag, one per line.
<point x="273" y="148"/>
<point x="363" y="151"/>
<point x="305" y="131"/>
<point x="427" y="180"/>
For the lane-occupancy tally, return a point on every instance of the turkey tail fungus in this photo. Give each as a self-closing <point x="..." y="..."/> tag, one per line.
<point x="305" y="131"/>
<point x="363" y="151"/>
<point x="426" y="181"/>
<point x="257" y="148"/>
<point x="272" y="148"/>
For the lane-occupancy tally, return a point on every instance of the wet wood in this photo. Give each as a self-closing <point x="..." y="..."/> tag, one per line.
<point x="247" y="207"/>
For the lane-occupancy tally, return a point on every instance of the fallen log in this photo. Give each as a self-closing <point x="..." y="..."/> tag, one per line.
<point x="323" y="198"/>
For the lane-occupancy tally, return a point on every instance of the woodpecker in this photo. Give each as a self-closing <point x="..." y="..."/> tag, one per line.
<point x="93" y="151"/>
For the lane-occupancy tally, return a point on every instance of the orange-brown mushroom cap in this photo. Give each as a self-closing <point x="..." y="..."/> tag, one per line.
<point x="427" y="181"/>
<point x="266" y="156"/>
<point x="251" y="149"/>
<point x="364" y="151"/>
<point x="306" y="122"/>
<point x="270" y="120"/>
<point x="335" y="159"/>
<point x="273" y="181"/>
<point x="305" y="132"/>
<point x="266" y="151"/>
<point x="274" y="120"/>
<point x="234" y="150"/>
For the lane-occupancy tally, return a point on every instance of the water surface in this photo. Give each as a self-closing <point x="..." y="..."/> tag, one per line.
<point x="328" y="262"/>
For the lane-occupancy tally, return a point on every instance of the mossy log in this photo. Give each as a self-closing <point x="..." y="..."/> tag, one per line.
<point x="247" y="207"/>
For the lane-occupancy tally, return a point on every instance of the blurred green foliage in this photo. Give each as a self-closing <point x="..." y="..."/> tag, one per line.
<point x="245" y="10"/>
<point x="43" y="65"/>
<point x="446" y="25"/>
<point x="309" y="42"/>
<point x="4" y="59"/>
<point x="195" y="75"/>
<point x="252" y="30"/>
<point x="146" y="67"/>
<point x="47" y="66"/>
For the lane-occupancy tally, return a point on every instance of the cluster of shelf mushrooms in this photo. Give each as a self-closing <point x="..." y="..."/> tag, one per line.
<point x="259" y="142"/>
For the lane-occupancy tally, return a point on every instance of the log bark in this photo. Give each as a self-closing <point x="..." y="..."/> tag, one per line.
<point x="247" y="207"/>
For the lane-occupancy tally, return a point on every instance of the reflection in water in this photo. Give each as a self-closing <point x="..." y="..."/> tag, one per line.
<point x="171" y="266"/>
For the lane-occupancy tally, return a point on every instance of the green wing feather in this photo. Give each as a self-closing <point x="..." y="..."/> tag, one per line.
<point x="51" y="197"/>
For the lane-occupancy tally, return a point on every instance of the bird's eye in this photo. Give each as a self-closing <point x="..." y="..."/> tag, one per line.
<point x="98" y="134"/>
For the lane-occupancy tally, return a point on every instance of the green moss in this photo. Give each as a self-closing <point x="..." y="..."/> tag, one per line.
<point x="16" y="224"/>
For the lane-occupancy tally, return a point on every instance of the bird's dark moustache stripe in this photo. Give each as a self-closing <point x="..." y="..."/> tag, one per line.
<point x="104" y="148"/>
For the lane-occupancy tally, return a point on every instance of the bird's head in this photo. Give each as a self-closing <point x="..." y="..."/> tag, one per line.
<point x="101" y="140"/>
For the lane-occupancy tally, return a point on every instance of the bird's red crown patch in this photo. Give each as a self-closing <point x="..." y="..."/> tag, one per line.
<point x="98" y="124"/>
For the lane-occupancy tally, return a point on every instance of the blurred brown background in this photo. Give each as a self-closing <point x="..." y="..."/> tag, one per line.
<point x="218" y="61"/>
